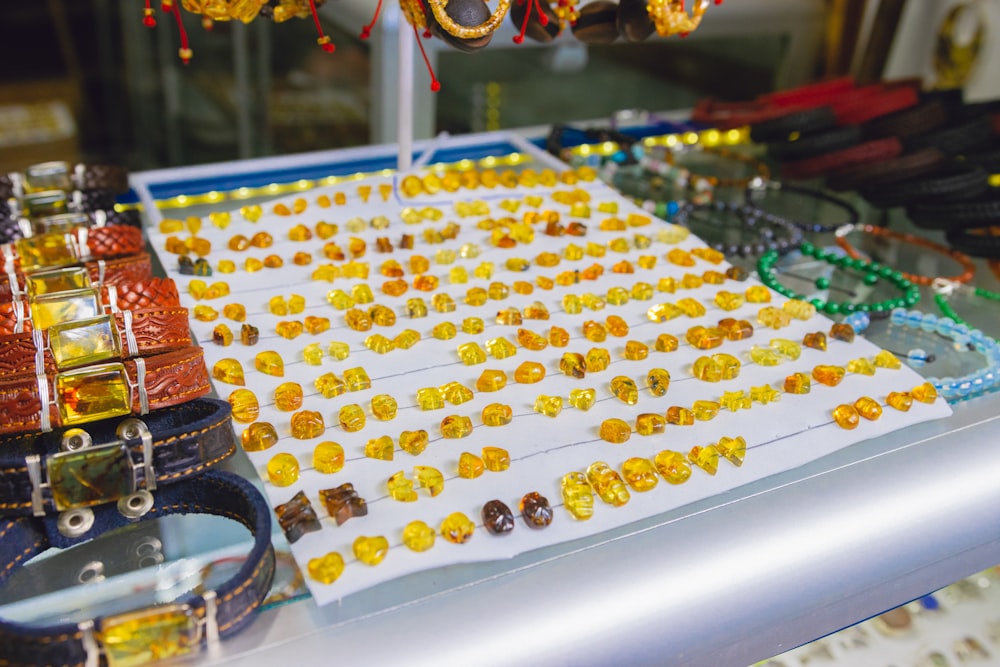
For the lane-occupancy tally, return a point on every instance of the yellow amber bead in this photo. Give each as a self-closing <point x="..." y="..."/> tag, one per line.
<point x="430" y="398"/>
<point x="289" y="329"/>
<point x="666" y="343"/>
<point x="326" y="569"/>
<point x="384" y="407"/>
<point x="691" y="307"/>
<point x="843" y="332"/>
<point x="261" y="240"/>
<point x="704" y="338"/>
<point x="283" y="469"/>
<point x="706" y="458"/>
<point x="471" y="354"/>
<point x="680" y="257"/>
<point x="728" y="300"/>
<point x="316" y="325"/>
<point x="269" y="362"/>
<point x="736" y="400"/>
<point x="470" y="466"/>
<point x="235" y="311"/>
<point x="550" y="406"/>
<point x="196" y="288"/>
<point x="608" y="484"/>
<point x="381" y="448"/>
<point x="227" y="266"/>
<point x="707" y="369"/>
<point x="765" y="356"/>
<point x="229" y="371"/>
<point x="593" y="301"/>
<point x="456" y="393"/>
<point x="640" y="474"/>
<point x="252" y="265"/>
<point x="379" y="344"/>
<point x="886" y="359"/>
<point x="868" y="408"/>
<point x="861" y="366"/>
<point x="473" y="325"/>
<point x="728" y="364"/>
<point x="531" y="340"/>
<point x="899" y="400"/>
<point x="357" y="379"/>
<point x="245" y="407"/>
<point x="370" y="550"/>
<point x="328" y="457"/>
<point x="413" y="442"/>
<point x="594" y="331"/>
<point x="758" y="294"/>
<point x="800" y="310"/>
<point x="577" y="495"/>
<point x="764" y="394"/>
<point x="508" y="317"/>
<point x="352" y="417"/>
<point x="617" y="296"/>
<point x="797" y="383"/>
<point x="329" y="385"/>
<point x="288" y="396"/>
<point x="672" y="466"/>
<point x="828" y="375"/>
<point x="650" y="423"/>
<point x="496" y="459"/>
<point x="573" y="364"/>
<point x="616" y="326"/>
<point x="636" y="350"/>
<point x="679" y="416"/>
<point x="615" y="431"/>
<point x="625" y="390"/>
<point x="925" y="393"/>
<point x="500" y="348"/>
<point x="491" y="380"/>
<point x="406" y="339"/>
<point x="444" y="331"/>
<point x="846" y="416"/>
<point x="642" y="291"/>
<point x="418" y="536"/>
<point x="381" y="316"/>
<point x="456" y="426"/>
<point x="558" y="337"/>
<point x="457" y="528"/>
<point x="788" y="349"/>
<point x="704" y="411"/>
<point x="529" y="372"/>
<point x="222" y="335"/>
<point x="582" y="399"/>
<point x="598" y="359"/>
<point x="772" y="317"/>
<point x="497" y="414"/>
<point x="357" y="320"/>
<point x="733" y="450"/>
<point x="258" y="437"/>
<point x="475" y="296"/>
<point x="339" y="299"/>
<point x="205" y="313"/>
<point x="525" y="288"/>
<point x="307" y="424"/>
<point x="816" y="340"/>
<point x="339" y="350"/>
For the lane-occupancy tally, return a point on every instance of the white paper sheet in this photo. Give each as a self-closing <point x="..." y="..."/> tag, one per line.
<point x="780" y="435"/>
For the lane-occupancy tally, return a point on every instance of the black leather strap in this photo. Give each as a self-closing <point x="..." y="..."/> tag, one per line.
<point x="955" y="139"/>
<point x="978" y="242"/>
<point x="951" y="182"/>
<point x="982" y="211"/>
<point x="807" y="121"/>
<point x="185" y="440"/>
<point x="815" y="144"/>
<point x="232" y="604"/>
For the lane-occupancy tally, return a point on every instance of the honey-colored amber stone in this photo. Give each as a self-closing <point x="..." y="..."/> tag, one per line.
<point x="529" y="372"/>
<point x="288" y="396"/>
<point x="235" y="311"/>
<point x="381" y="448"/>
<point x="800" y="310"/>
<point x="598" y="359"/>
<point x="672" y="466"/>
<point x="616" y="326"/>
<point x="358" y="320"/>
<point x="252" y="265"/>
<point x="289" y="329"/>
<point x="357" y="379"/>
<point x="491" y="380"/>
<point x="650" y="423"/>
<point x="418" y="536"/>
<point x="772" y="317"/>
<point x="728" y="300"/>
<point x="550" y="406"/>
<point x="273" y="262"/>
<point x="475" y="296"/>
<point x="734" y="329"/>
<point x="582" y="399"/>
<point x="733" y="450"/>
<point x="456" y="393"/>
<point x="370" y="550"/>
<point x="593" y="301"/>
<point x="925" y="393"/>
<point x="384" y="407"/>
<point x="457" y="528"/>
<point x="666" y="343"/>
<point x="816" y="340"/>
<point x="691" y="307"/>
<point x="497" y="414"/>
<point x="329" y="385"/>
<point x="339" y="299"/>
<point x="617" y="296"/>
<point x="222" y="335"/>
<point x="729" y="365"/>
<point x="736" y="400"/>
<point x="229" y="371"/>
<point x="640" y="474"/>
<point x="406" y="339"/>
<point x="326" y="569"/>
<point x="536" y="310"/>
<point x="828" y="375"/>
<point x="573" y="364"/>
<point x="379" y="344"/>
<point x="473" y="325"/>
<point x="245" y="408"/>
<point x="764" y="394"/>
<point x="444" y="331"/>
<point x="283" y="469"/>
<point x="843" y="332"/>
<point x="615" y="431"/>
<point x="500" y="348"/>
<point x="704" y="411"/>
<point x="531" y="340"/>
<point x="797" y="383"/>
<point x="430" y="398"/>
<point x="471" y="354"/>
<point x="316" y="325"/>
<point x="509" y="317"/>
<point x="578" y="497"/>
<point x="608" y="484"/>
<point x="558" y="337"/>
<point x="258" y="437"/>
<point x="456" y="426"/>
<point x="470" y="465"/>
<point x="400" y="488"/>
<point x="594" y="331"/>
<point x="381" y="316"/>
<point x="204" y="313"/>
<point x="758" y="294"/>
<point x="307" y="424"/>
<point x="706" y="458"/>
<point x="861" y="366"/>
<point x="636" y="350"/>
<point x="706" y="369"/>
<point x="625" y="390"/>
<point x="886" y="359"/>
<point x="679" y="416"/>
<point x="899" y="400"/>
<point x="868" y="408"/>
<point x="846" y="416"/>
<point x="413" y="442"/>
<point x="261" y="240"/>
<point x="313" y="354"/>
<point x="496" y="459"/>
<point x="704" y="338"/>
<point x="352" y="417"/>
<point x="328" y="457"/>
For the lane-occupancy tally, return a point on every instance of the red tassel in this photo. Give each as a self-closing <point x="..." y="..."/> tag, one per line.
<point x="149" y="16"/>
<point x="185" y="51"/>
<point x="435" y="84"/>
<point x="366" y="31"/>
<point x="323" y="40"/>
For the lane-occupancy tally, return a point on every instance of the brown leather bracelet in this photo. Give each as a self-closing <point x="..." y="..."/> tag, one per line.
<point x="88" y="394"/>
<point x="121" y="272"/>
<point x="81" y="245"/>
<point x="16" y="316"/>
<point x="119" y="336"/>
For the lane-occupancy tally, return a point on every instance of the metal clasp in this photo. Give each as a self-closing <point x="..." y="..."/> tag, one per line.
<point x="47" y="176"/>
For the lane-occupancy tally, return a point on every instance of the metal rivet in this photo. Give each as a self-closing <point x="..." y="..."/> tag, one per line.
<point x="135" y="504"/>
<point x="91" y="573"/>
<point x="75" y="522"/>
<point x="130" y="429"/>
<point x="75" y="439"/>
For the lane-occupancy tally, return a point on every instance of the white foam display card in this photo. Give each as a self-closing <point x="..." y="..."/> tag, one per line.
<point x="779" y="435"/>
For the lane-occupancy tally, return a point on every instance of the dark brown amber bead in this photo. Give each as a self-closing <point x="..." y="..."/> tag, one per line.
<point x="297" y="517"/>
<point x="497" y="517"/>
<point x="536" y="510"/>
<point x="343" y="503"/>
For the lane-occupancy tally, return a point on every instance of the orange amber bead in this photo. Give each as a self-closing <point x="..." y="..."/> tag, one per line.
<point x="846" y="416"/>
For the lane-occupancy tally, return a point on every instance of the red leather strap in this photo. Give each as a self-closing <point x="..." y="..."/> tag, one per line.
<point x="170" y="379"/>
<point x="153" y="331"/>
<point x="870" y="151"/>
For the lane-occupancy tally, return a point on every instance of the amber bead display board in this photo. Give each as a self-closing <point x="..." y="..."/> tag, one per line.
<point x="526" y="339"/>
<point x="957" y="625"/>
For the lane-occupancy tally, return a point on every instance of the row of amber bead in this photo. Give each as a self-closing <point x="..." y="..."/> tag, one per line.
<point x="849" y="415"/>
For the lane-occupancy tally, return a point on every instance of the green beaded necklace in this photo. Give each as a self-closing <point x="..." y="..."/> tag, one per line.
<point x="872" y="273"/>
<point x="943" y="288"/>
